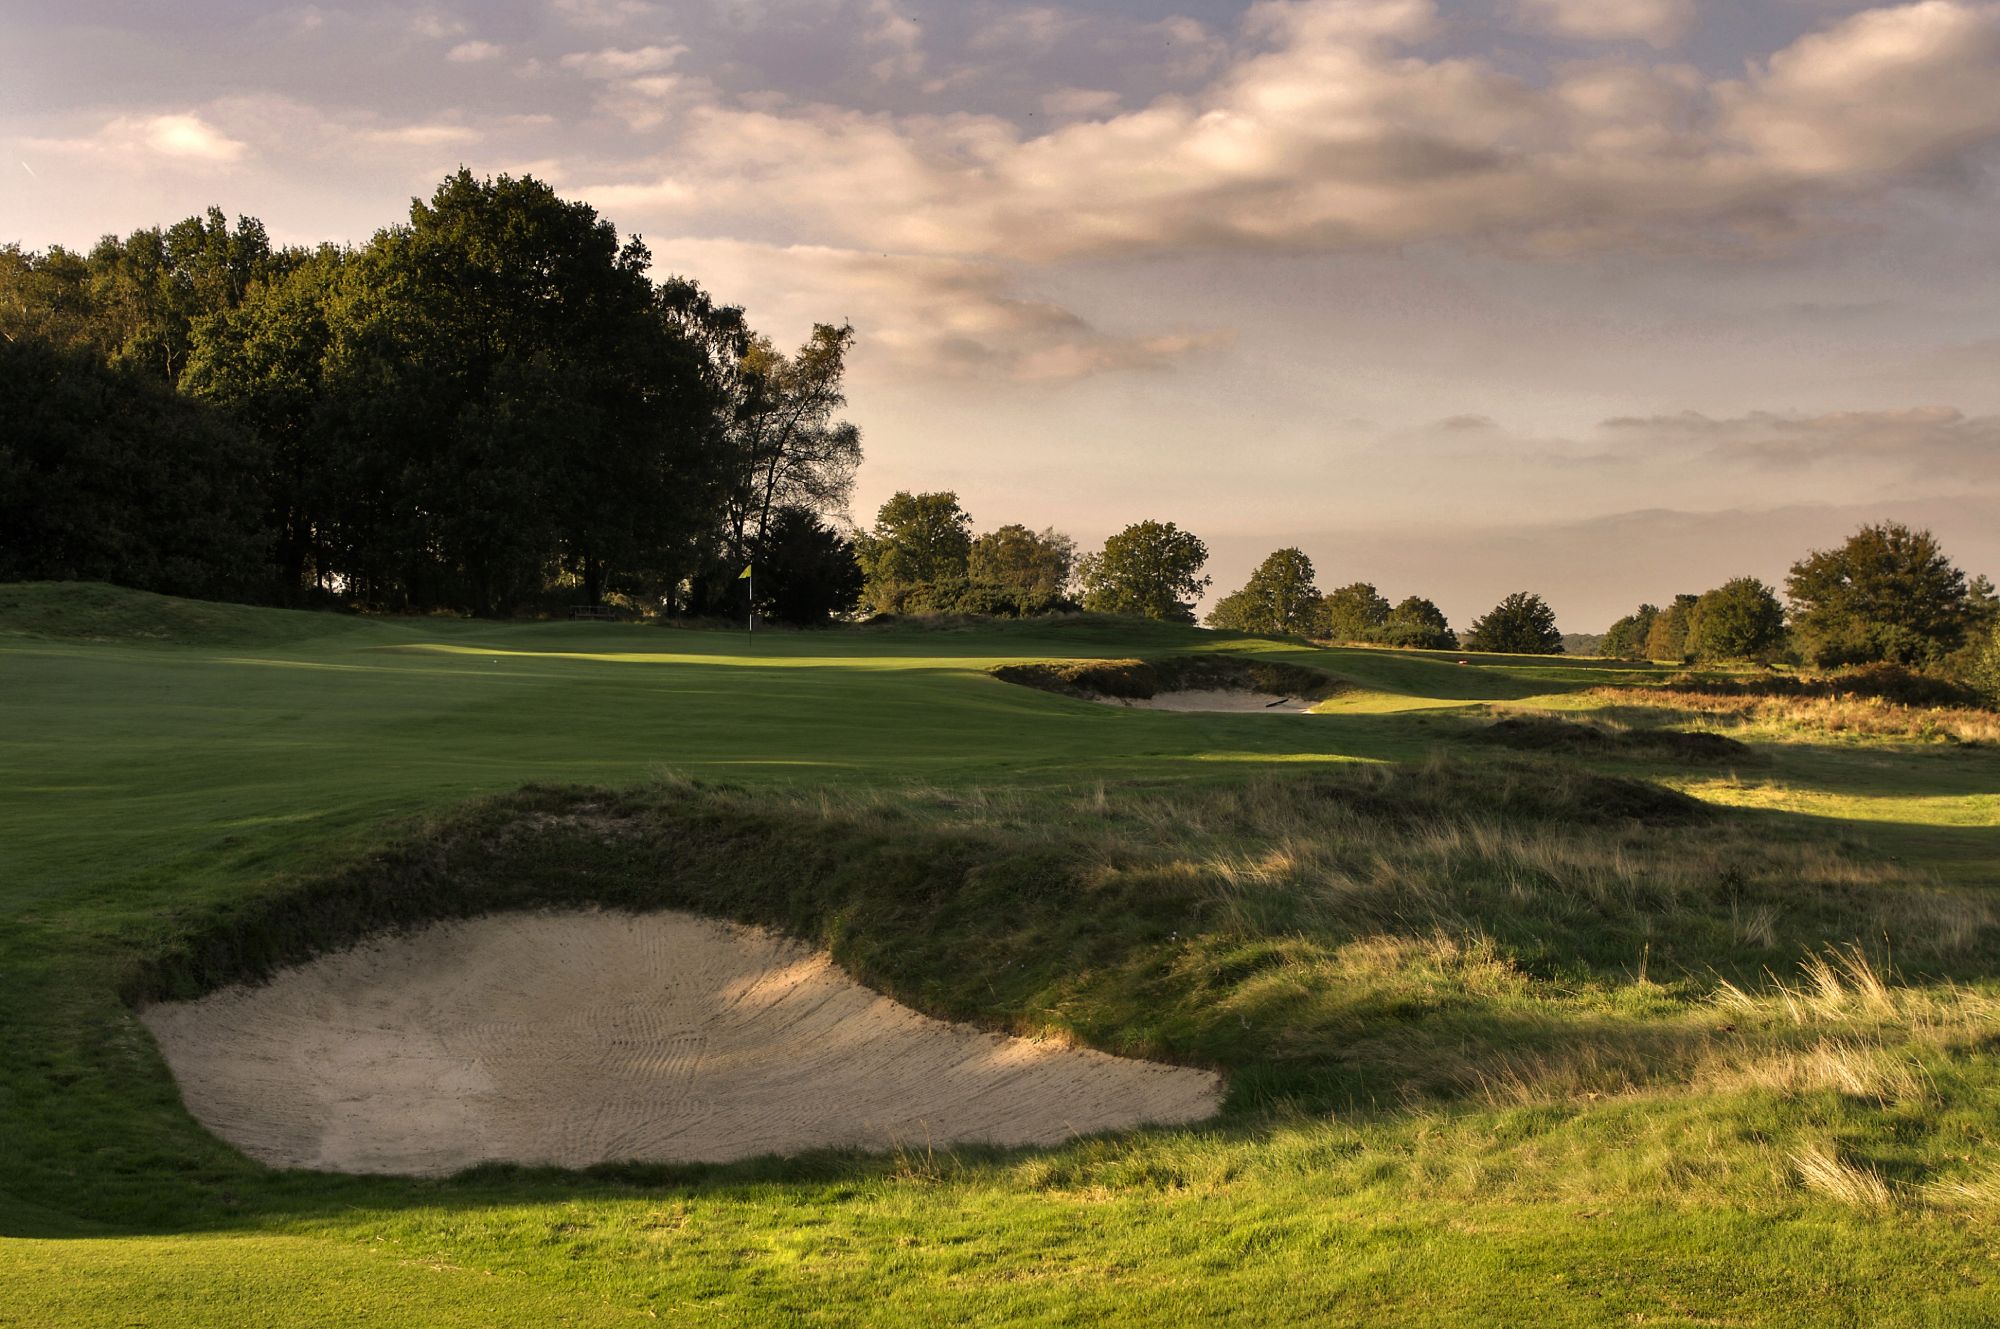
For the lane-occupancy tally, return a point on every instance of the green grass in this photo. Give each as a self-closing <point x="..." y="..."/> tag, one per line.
<point x="1509" y="1034"/>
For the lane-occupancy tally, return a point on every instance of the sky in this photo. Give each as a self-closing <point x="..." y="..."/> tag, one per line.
<point x="1603" y="299"/>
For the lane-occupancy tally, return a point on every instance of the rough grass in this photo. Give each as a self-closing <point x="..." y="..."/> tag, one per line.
<point x="1809" y="715"/>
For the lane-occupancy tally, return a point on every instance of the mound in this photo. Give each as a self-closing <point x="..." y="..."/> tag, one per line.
<point x="1546" y="733"/>
<point x="1208" y="682"/>
<point x="94" y="611"/>
<point x="580" y="1038"/>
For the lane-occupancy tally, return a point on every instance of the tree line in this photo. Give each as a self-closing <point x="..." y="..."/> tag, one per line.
<point x="480" y="408"/>
<point x="1887" y="595"/>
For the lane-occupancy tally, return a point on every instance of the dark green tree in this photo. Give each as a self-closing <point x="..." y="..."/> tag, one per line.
<point x="1738" y="620"/>
<point x="1355" y="612"/>
<point x="1279" y="597"/>
<point x="1521" y="624"/>
<point x="1888" y="594"/>
<point x="106" y="475"/>
<point x="1150" y="569"/>
<point x="806" y="571"/>
<point x="1418" y="623"/>
<point x="919" y="542"/>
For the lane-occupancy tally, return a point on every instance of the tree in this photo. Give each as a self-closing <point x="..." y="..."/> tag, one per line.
<point x="1418" y="623"/>
<point x="1983" y="669"/>
<point x="265" y="362"/>
<point x="1888" y="594"/>
<point x="806" y="572"/>
<point x="1279" y="597"/>
<point x="1521" y="624"/>
<point x="106" y="475"/>
<point x="919" y="541"/>
<point x="1028" y="572"/>
<point x="1353" y="613"/>
<point x="1667" y="638"/>
<point x="1150" y="569"/>
<point x="1627" y="637"/>
<point x="788" y="449"/>
<point x="1738" y="620"/>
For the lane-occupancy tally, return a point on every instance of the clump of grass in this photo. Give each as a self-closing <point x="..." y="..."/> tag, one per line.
<point x="1822" y="1170"/>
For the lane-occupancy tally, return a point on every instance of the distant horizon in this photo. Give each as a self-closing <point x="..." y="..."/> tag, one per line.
<point x="1603" y="300"/>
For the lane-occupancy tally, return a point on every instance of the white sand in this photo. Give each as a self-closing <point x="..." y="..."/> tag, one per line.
<point x="1215" y="699"/>
<point x="580" y="1038"/>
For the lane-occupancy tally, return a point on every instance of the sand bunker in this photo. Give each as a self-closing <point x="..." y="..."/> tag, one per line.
<point x="580" y="1038"/>
<point x="1214" y="699"/>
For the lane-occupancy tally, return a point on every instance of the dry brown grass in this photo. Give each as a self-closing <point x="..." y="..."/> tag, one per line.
<point x="1823" y="1170"/>
<point x="1869" y="717"/>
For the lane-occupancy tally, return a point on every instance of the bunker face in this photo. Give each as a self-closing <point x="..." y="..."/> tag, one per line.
<point x="1215" y="699"/>
<point x="580" y="1038"/>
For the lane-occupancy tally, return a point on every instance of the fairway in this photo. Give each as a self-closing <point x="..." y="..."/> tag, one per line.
<point x="1618" y="1036"/>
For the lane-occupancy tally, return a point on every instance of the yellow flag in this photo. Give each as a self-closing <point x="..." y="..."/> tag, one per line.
<point x="746" y="571"/>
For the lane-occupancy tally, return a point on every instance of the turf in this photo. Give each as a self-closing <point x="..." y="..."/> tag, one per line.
<point x="1475" y="1003"/>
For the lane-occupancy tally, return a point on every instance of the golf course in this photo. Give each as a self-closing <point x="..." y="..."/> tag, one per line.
<point x="1534" y="990"/>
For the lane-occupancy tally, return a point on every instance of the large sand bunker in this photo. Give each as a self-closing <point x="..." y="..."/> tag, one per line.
<point x="580" y="1038"/>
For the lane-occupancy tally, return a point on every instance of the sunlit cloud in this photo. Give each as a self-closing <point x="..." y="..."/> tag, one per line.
<point x="1660" y="22"/>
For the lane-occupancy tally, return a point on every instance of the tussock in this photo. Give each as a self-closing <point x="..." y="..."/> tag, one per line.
<point x="1821" y="1169"/>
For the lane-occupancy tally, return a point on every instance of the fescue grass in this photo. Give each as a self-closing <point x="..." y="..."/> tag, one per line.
<point x="1510" y="1034"/>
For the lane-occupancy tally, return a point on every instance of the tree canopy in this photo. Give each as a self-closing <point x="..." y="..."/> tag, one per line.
<point x="1279" y="597"/>
<point x="1738" y="620"/>
<point x="1418" y="623"/>
<point x="488" y="403"/>
<point x="1521" y="624"/>
<point x="1030" y="571"/>
<point x="1888" y="594"/>
<point x="919" y="543"/>
<point x="1356" y="612"/>
<point x="1150" y="569"/>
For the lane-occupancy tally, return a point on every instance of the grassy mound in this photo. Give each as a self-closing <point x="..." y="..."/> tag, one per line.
<point x="95" y="611"/>
<point x="1139" y="679"/>
<point x="1548" y="733"/>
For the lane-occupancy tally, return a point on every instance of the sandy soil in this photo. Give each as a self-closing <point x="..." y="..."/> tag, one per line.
<point x="580" y="1038"/>
<point x="1215" y="699"/>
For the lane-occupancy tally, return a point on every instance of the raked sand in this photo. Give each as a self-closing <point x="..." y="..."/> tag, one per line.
<point x="586" y="1037"/>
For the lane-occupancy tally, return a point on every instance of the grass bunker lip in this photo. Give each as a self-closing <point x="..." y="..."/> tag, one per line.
<point x="1204" y="682"/>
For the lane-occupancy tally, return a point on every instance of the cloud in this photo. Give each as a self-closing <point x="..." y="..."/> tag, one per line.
<point x="1660" y="22"/>
<point x="185" y="138"/>
<point x="601" y="13"/>
<point x="613" y="63"/>
<point x="920" y="316"/>
<point x="1332" y="130"/>
<point x="468" y="53"/>
<point x="1935" y="444"/>
<point x="421" y="136"/>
